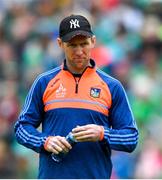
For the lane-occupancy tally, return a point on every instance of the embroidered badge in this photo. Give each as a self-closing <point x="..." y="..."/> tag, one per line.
<point x="61" y="91"/>
<point x="95" y="92"/>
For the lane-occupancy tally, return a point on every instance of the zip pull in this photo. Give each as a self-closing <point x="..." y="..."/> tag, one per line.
<point x="76" y="87"/>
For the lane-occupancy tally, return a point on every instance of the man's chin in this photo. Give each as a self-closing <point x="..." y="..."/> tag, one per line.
<point x="80" y="68"/>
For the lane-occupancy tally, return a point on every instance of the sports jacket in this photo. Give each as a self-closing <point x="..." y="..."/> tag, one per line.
<point x="60" y="102"/>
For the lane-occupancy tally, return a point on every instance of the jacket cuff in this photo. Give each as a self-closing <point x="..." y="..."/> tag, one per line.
<point x="46" y="142"/>
<point x="106" y="132"/>
<point x="102" y="133"/>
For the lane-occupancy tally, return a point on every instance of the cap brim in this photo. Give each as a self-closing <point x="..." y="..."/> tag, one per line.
<point x="71" y="35"/>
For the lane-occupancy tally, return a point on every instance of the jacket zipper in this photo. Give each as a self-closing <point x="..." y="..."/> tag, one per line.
<point x="77" y="84"/>
<point x="77" y="81"/>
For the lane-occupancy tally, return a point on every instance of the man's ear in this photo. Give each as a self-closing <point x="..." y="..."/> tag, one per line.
<point x="59" y="42"/>
<point x="93" y="39"/>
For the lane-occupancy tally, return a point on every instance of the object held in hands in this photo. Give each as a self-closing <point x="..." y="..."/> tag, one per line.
<point x="59" y="157"/>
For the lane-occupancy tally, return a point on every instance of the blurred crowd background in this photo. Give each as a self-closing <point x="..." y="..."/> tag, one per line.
<point x="129" y="47"/>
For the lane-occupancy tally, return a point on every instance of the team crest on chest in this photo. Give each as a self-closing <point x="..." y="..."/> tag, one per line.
<point x="95" y="92"/>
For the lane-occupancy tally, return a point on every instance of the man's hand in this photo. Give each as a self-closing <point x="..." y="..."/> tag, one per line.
<point x="90" y="132"/>
<point x="57" y="144"/>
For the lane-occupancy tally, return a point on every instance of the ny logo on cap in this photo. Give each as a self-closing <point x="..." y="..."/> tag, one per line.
<point x="74" y="23"/>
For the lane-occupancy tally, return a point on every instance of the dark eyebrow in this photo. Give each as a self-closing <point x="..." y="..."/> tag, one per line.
<point x="70" y="43"/>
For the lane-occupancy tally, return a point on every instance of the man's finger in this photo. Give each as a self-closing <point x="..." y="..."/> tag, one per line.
<point x="82" y="133"/>
<point x="66" y="145"/>
<point x="57" y="147"/>
<point x="79" y="128"/>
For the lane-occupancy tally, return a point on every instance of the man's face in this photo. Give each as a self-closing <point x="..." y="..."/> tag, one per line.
<point x="77" y="52"/>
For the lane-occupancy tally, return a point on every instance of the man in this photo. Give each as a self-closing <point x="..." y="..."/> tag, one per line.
<point x="79" y="98"/>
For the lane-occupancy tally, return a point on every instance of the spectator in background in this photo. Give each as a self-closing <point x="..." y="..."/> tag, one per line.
<point x="8" y="161"/>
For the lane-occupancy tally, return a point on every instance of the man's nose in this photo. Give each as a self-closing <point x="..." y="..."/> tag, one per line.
<point x="79" y="51"/>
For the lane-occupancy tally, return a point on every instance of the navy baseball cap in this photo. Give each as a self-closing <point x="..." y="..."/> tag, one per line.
<point x="74" y="25"/>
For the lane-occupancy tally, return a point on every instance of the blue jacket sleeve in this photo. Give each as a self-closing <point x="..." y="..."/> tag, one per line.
<point x="123" y="134"/>
<point x="30" y="118"/>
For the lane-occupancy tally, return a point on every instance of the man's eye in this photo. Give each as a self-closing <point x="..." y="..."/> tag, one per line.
<point x="72" y="45"/>
<point x="84" y="44"/>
